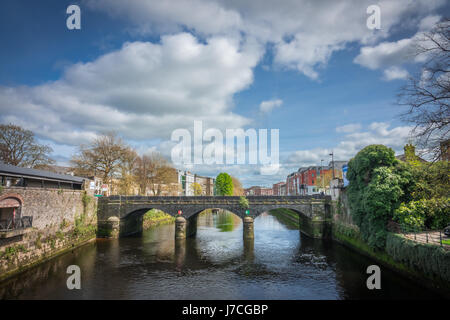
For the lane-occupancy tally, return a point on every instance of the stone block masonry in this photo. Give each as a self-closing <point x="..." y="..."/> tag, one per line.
<point x="62" y="220"/>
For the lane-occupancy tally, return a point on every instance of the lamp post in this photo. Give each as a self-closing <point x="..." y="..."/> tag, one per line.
<point x="332" y="161"/>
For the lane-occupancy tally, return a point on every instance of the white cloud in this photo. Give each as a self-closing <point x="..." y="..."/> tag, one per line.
<point x="376" y="133"/>
<point x="395" y="73"/>
<point x="348" y="128"/>
<point x="391" y="55"/>
<point x="304" y="33"/>
<point x="143" y="91"/>
<point x="429" y="22"/>
<point x="386" y="54"/>
<point x="269" y="105"/>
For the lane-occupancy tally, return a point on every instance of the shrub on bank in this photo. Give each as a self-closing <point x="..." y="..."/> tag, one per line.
<point x="379" y="183"/>
<point x="431" y="260"/>
<point x="425" y="213"/>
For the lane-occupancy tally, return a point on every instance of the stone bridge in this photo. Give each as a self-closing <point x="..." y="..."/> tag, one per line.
<point x="122" y="215"/>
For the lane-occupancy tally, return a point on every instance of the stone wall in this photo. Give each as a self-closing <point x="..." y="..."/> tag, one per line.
<point x="50" y="207"/>
<point x="62" y="219"/>
<point x="341" y="209"/>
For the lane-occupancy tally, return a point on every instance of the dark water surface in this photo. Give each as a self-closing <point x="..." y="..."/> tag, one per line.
<point x="281" y="263"/>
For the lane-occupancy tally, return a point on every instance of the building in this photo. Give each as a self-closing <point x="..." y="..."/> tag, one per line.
<point x="283" y="189"/>
<point x="207" y="184"/>
<point x="186" y="180"/>
<point x="276" y="188"/>
<point x="410" y="154"/>
<point x="337" y="167"/>
<point x="312" y="180"/>
<point x="12" y="176"/>
<point x="258" y="191"/>
<point x="336" y="185"/>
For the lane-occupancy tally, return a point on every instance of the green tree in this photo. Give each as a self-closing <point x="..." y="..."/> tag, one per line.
<point x="224" y="184"/>
<point x="379" y="183"/>
<point x="432" y="180"/>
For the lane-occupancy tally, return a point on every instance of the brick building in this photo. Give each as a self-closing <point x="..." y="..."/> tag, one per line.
<point x="258" y="191"/>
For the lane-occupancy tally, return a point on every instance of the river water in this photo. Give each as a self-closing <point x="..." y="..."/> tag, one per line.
<point x="281" y="263"/>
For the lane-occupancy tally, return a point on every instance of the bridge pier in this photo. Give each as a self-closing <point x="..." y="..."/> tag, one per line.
<point x="180" y="253"/>
<point x="248" y="228"/>
<point x="185" y="227"/>
<point x="249" y="249"/>
<point x="180" y="228"/>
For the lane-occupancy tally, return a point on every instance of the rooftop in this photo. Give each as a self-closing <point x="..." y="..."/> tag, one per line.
<point x="13" y="171"/>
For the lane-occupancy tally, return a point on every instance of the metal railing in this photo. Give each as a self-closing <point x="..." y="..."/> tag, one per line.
<point x="421" y="234"/>
<point x="15" y="224"/>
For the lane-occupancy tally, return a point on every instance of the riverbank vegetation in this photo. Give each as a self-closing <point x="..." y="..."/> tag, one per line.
<point x="156" y="217"/>
<point x="379" y="183"/>
<point x="382" y="189"/>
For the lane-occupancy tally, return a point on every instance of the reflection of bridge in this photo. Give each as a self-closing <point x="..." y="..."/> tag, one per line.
<point x="122" y="215"/>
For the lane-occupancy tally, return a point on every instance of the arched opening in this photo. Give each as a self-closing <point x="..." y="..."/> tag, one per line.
<point x="292" y="218"/>
<point x="220" y="219"/>
<point x="10" y="211"/>
<point x="139" y="220"/>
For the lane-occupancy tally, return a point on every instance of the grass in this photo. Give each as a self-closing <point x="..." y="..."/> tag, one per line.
<point x="155" y="217"/>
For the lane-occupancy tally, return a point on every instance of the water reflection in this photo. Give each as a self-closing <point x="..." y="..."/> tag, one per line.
<point x="280" y="263"/>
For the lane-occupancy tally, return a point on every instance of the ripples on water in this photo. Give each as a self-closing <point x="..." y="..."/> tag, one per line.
<point x="281" y="263"/>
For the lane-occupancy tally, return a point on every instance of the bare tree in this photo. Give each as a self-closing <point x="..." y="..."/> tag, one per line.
<point x="18" y="147"/>
<point x="238" y="190"/>
<point x="127" y="170"/>
<point x="103" y="156"/>
<point x="427" y="94"/>
<point x="153" y="172"/>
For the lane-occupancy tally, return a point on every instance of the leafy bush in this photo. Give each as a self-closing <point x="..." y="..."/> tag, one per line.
<point x="410" y="216"/>
<point x="431" y="260"/>
<point x="243" y="202"/>
<point x="432" y="180"/>
<point x="379" y="183"/>
<point x="430" y="213"/>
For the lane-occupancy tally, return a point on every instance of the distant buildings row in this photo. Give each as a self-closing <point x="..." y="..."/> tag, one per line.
<point x="306" y="181"/>
<point x="182" y="182"/>
<point x="182" y="185"/>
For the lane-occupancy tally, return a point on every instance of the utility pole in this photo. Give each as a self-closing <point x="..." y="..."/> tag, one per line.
<point x="332" y="161"/>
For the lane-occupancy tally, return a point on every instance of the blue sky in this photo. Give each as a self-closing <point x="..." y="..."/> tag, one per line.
<point x="146" y="68"/>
